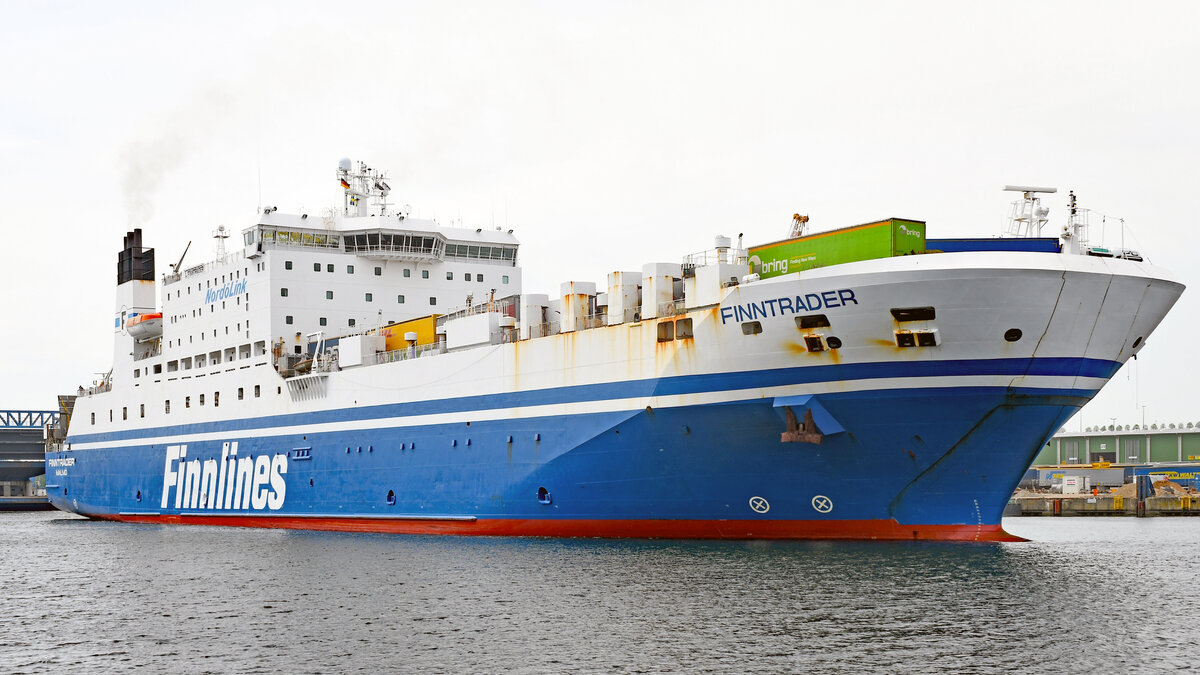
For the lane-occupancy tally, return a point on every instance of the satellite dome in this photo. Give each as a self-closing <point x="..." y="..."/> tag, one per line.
<point x="344" y="164"/>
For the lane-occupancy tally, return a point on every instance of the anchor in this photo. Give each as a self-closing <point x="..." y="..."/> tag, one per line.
<point x="801" y="433"/>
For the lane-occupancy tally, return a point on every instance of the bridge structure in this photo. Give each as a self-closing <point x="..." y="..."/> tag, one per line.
<point x="23" y="456"/>
<point x="27" y="419"/>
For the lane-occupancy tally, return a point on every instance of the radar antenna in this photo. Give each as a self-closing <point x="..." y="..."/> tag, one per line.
<point x="1028" y="215"/>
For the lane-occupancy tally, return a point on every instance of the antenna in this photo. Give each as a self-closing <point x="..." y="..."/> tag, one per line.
<point x="1028" y="216"/>
<point x="220" y="234"/>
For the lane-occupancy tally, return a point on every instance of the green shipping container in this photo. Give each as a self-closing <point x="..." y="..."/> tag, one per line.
<point x="883" y="239"/>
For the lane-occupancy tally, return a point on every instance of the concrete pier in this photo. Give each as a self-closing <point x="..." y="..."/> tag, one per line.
<point x="1102" y="505"/>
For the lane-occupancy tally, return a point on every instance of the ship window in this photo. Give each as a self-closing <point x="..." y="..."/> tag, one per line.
<point x="288" y="319"/>
<point x="666" y="331"/>
<point x="167" y="406"/>
<point x="400" y="299"/>
<point x="287" y="264"/>
<point x="93" y="419"/>
<point x="257" y="391"/>
<point x="216" y="398"/>
<point x="283" y="292"/>
<point x="812" y="321"/>
<point x="241" y="393"/>
<point x="351" y="323"/>
<point x="424" y="274"/>
<point x="683" y="329"/>
<point x="142" y="409"/>
<point x="370" y="297"/>
<point x="124" y="412"/>
<point x="316" y="267"/>
<point x="187" y="401"/>
<point x="813" y="343"/>
<point x="378" y="271"/>
<point x="478" y="277"/>
<point x="349" y="269"/>
<point x="751" y="328"/>
<point x="323" y="321"/>
<point x="913" y="313"/>
<point x="468" y="276"/>
<point x="406" y="272"/>
<point x="110" y="418"/>
<point x="905" y="339"/>
<point x="328" y="295"/>
<point x="432" y="300"/>
<point x="329" y="267"/>
<point x="927" y="339"/>
<point x="504" y="279"/>
<point x="449" y="276"/>
<point x="201" y="399"/>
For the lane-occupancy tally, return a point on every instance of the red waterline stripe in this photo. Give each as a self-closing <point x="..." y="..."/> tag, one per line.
<point x="663" y="529"/>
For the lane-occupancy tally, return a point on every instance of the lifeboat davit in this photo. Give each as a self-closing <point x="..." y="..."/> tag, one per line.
<point x="145" y="326"/>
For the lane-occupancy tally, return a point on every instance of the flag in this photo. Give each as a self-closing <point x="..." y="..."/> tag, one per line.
<point x="345" y="185"/>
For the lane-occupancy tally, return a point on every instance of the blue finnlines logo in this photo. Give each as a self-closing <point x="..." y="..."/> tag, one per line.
<point x="227" y="291"/>
<point x="233" y="483"/>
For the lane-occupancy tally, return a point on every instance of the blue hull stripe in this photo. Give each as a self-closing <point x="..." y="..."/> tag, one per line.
<point x="667" y="386"/>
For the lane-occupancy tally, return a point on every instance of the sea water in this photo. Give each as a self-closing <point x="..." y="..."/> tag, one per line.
<point x="1085" y="595"/>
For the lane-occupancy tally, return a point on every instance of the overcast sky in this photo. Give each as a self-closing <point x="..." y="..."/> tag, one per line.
<point x="605" y="134"/>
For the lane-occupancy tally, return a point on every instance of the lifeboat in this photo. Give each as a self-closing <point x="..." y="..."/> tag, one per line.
<point x="145" y="326"/>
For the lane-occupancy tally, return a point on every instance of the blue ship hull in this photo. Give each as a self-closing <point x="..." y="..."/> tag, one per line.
<point x="907" y="463"/>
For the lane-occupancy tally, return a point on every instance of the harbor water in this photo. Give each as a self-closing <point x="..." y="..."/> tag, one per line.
<point x="1085" y="595"/>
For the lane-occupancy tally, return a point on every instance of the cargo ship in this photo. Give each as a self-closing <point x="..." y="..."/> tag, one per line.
<point x="366" y="370"/>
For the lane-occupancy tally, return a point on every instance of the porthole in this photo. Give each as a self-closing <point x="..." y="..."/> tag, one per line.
<point x="1137" y="342"/>
<point x="543" y="496"/>
<point x="833" y="343"/>
<point x="1012" y="334"/>
<point x="391" y="498"/>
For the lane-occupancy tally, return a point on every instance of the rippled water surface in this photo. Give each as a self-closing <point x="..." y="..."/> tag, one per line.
<point x="1087" y="595"/>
